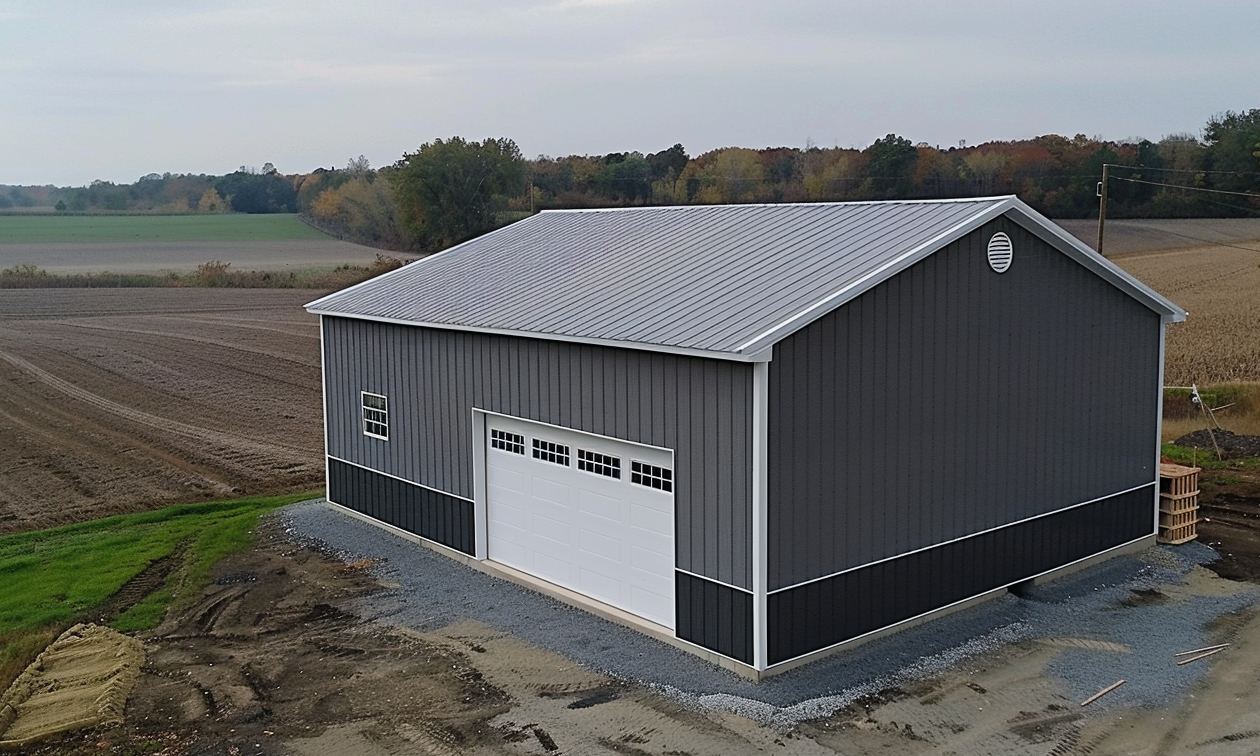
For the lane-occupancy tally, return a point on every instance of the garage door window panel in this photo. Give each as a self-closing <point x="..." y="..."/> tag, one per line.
<point x="513" y="443"/>
<point x="549" y="451"/>
<point x="599" y="464"/>
<point x="651" y="476"/>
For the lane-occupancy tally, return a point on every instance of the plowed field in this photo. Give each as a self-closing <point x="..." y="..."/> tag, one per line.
<point x="117" y="400"/>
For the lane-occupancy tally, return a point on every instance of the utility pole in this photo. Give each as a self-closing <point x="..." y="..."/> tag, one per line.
<point x="1102" y="208"/>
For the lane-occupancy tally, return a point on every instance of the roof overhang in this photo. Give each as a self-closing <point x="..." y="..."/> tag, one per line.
<point x="760" y="356"/>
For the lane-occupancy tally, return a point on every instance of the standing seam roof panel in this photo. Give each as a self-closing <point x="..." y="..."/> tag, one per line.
<point x="709" y="278"/>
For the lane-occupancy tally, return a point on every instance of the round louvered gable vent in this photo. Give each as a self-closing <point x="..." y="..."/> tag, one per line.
<point x="1000" y="252"/>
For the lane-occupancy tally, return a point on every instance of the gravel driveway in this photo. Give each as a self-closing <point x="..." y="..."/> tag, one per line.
<point x="1118" y="620"/>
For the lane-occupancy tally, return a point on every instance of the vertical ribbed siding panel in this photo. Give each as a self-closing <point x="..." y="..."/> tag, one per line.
<point x="879" y="595"/>
<point x="434" y="378"/>
<point x="714" y="616"/>
<point x="951" y="399"/>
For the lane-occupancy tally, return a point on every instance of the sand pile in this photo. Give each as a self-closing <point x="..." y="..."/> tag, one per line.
<point x="81" y="680"/>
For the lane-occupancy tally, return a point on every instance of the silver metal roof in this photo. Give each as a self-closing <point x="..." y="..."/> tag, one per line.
<point x="725" y="281"/>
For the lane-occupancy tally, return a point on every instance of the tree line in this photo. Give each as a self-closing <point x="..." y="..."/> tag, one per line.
<point x="453" y="189"/>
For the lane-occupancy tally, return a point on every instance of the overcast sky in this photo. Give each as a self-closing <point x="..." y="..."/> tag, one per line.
<point x="116" y="90"/>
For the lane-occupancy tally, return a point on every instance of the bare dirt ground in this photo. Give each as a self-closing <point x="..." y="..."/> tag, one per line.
<point x="271" y="661"/>
<point x="116" y="400"/>
<point x="154" y="257"/>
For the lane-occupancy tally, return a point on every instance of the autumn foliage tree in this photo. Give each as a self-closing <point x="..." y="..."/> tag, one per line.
<point x="450" y="191"/>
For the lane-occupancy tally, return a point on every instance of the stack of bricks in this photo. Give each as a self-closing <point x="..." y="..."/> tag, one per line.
<point x="1178" y="503"/>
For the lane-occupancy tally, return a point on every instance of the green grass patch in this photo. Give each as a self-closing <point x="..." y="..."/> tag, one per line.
<point x="54" y="578"/>
<point x="1206" y="458"/>
<point x="233" y="227"/>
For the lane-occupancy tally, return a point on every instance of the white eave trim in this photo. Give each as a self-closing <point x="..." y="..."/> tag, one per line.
<point x="761" y="355"/>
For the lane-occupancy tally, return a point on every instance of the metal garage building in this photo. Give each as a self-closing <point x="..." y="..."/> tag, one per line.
<point x="761" y="431"/>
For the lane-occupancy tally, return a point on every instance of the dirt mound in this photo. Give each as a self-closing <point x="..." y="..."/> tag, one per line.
<point x="81" y="680"/>
<point x="1232" y="445"/>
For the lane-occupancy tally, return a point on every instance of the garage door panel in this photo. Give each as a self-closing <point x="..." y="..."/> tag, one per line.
<point x="596" y="534"/>
<point x="549" y="490"/>
<point x="643" y="558"/>
<point x="600" y="505"/>
<point x="600" y="545"/>
<point x="508" y="479"/>
<point x="653" y="603"/>
<point x="510" y="553"/>
<point x="551" y="534"/>
<point x="651" y="520"/>
<point x="549" y="564"/>
<point x="550" y="510"/>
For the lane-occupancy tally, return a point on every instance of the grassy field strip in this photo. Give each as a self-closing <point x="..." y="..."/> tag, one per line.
<point x="235" y="227"/>
<point x="54" y="578"/>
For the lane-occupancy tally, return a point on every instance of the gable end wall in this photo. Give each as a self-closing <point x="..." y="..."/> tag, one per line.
<point x="950" y="400"/>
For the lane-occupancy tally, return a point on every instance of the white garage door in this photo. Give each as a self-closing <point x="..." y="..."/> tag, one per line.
<point x="584" y="512"/>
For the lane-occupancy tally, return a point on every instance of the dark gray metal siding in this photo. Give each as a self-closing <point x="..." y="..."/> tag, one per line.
<point x="951" y="399"/>
<point x="436" y="516"/>
<point x="825" y="612"/>
<point x="700" y="408"/>
<point x="714" y="616"/>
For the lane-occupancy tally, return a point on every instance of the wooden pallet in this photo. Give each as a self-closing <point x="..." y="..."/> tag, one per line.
<point x="1177" y="480"/>
<point x="1181" y="503"/>
<point x="1178" y="503"/>
<point x="1178" y="535"/>
<point x="1178" y="519"/>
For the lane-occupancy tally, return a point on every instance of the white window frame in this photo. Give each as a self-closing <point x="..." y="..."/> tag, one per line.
<point x="507" y="441"/>
<point x="374" y="416"/>
<point x="599" y="463"/>
<point x="646" y="471"/>
<point x="551" y="452"/>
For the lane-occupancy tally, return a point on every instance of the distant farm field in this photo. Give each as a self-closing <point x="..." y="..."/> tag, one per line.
<point x="179" y="243"/>
<point x="1219" y="285"/>
<point x="89" y="229"/>
<point x="121" y="400"/>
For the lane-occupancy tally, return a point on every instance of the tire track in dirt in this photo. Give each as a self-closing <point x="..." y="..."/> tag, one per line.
<point x="144" y="418"/>
<point x="166" y="344"/>
<point x="41" y="304"/>
<point x="271" y="355"/>
<point x="246" y="324"/>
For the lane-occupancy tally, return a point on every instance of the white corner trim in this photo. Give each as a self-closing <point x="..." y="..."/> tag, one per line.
<point x="481" y="544"/>
<point x="323" y="382"/>
<point x="760" y="513"/>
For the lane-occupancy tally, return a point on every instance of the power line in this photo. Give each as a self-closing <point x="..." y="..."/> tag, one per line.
<point x="1191" y="188"/>
<point x="1182" y="170"/>
<point x="1205" y="241"/>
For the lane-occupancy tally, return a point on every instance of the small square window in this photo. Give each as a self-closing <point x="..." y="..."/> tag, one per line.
<point x="375" y="415"/>
<point x="508" y="442"/>
<point x="600" y="464"/>
<point x="651" y="476"/>
<point x="547" y="451"/>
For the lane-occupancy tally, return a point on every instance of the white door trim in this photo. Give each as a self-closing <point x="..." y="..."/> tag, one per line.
<point x="636" y="577"/>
